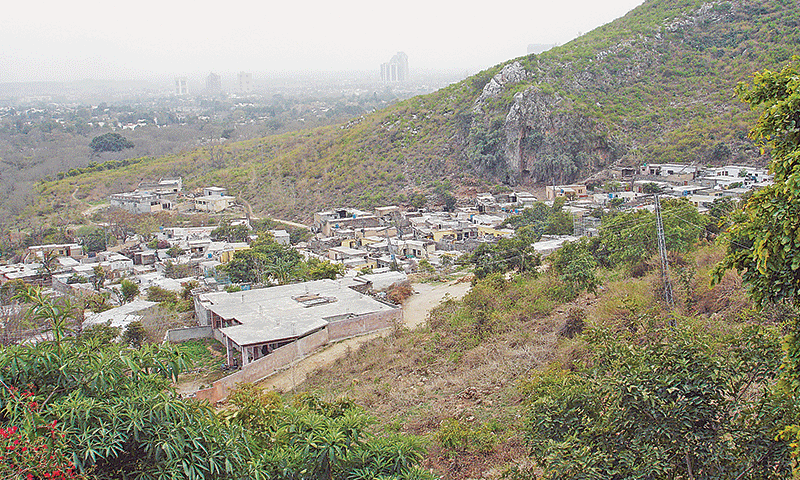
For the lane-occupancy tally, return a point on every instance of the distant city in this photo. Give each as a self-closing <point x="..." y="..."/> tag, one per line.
<point x="394" y="75"/>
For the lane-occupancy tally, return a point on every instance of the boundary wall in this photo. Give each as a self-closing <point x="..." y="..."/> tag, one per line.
<point x="282" y="357"/>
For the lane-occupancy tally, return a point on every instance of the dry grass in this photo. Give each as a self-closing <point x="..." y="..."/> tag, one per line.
<point x="412" y="381"/>
<point x="467" y="362"/>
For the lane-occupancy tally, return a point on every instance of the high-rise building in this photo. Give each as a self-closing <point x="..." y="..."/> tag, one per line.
<point x="213" y="84"/>
<point x="396" y="69"/>
<point x="181" y="86"/>
<point x="245" y="82"/>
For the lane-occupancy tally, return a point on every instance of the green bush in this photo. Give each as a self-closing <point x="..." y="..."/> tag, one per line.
<point x="457" y="436"/>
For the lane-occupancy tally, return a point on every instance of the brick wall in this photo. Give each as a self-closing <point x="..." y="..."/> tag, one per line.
<point x="188" y="333"/>
<point x="364" y="324"/>
<point x="282" y="357"/>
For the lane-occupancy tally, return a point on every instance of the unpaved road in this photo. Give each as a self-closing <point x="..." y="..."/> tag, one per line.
<point x="415" y="312"/>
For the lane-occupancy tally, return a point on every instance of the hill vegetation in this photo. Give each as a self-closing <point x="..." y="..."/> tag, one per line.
<point x="655" y="85"/>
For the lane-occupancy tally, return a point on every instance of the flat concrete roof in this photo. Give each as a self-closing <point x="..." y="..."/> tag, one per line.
<point x="120" y="316"/>
<point x="276" y="313"/>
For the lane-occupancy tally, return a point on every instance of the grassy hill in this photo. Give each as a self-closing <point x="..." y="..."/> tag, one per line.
<point x="654" y="85"/>
<point x="462" y="380"/>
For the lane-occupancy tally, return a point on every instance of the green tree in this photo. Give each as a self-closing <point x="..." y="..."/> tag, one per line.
<point x="630" y="237"/>
<point x="99" y="276"/>
<point x="134" y="335"/>
<point x="128" y="290"/>
<point x="764" y="240"/>
<point x="49" y="263"/>
<point x="175" y="251"/>
<point x="543" y="219"/>
<point x="109" y="142"/>
<point x="161" y="295"/>
<point x="316" y="269"/>
<point x="419" y="200"/>
<point x="680" y="404"/>
<point x="230" y="233"/>
<point x="651" y="188"/>
<point x="515" y="253"/>
<point x="575" y="266"/>
<point x="93" y="239"/>
<point x="266" y="261"/>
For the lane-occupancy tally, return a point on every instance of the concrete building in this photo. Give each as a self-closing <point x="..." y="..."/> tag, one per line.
<point x="213" y="84"/>
<point x="669" y="170"/>
<point x="214" y="204"/>
<point x="140" y="202"/>
<point x="281" y="236"/>
<point x="181" y="86"/>
<point x="257" y="322"/>
<point x="570" y="191"/>
<point x="214" y="199"/>
<point x="396" y="69"/>
<point x="738" y="174"/>
<point x="165" y="187"/>
<point x="329" y="221"/>
<point x="245" y="81"/>
<point x="122" y="316"/>
<point x="36" y="253"/>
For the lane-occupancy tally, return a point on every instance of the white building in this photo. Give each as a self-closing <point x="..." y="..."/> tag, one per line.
<point x="214" y="199"/>
<point x="140" y="202"/>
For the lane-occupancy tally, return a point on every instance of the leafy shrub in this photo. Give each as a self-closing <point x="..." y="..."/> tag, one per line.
<point x="457" y="436"/>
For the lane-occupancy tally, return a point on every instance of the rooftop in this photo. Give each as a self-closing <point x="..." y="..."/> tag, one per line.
<point x="287" y="311"/>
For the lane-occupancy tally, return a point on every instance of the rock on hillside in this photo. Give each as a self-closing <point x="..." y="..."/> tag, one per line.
<point x="655" y="85"/>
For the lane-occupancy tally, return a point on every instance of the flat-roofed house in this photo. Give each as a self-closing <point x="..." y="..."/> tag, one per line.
<point x="256" y="322"/>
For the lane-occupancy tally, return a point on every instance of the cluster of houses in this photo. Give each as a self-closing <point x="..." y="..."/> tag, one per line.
<point x="167" y="194"/>
<point x="378" y="248"/>
<point x="699" y="186"/>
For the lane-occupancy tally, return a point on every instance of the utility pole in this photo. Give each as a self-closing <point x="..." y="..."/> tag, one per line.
<point x="662" y="250"/>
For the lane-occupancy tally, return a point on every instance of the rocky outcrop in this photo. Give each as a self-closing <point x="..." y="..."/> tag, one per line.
<point x="543" y="132"/>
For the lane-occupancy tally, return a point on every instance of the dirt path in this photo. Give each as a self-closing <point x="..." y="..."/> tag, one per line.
<point x="415" y="312"/>
<point x="287" y="222"/>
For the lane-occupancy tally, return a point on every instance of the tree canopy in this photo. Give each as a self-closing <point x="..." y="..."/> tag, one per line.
<point x="630" y="237"/>
<point x="682" y="404"/>
<point x="764" y="240"/>
<point x="110" y="142"/>
<point x="269" y="262"/>
<point x="83" y="407"/>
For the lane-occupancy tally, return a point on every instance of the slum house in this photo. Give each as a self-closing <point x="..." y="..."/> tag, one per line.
<point x="256" y="322"/>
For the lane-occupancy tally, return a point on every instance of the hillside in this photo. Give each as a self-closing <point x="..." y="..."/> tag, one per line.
<point x="463" y="380"/>
<point x="654" y="85"/>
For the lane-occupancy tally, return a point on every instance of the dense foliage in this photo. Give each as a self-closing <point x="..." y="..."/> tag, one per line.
<point x="268" y="262"/>
<point x="110" y="142"/>
<point x="78" y="406"/>
<point x="764" y="240"/>
<point x="682" y="404"/>
<point x="630" y="237"/>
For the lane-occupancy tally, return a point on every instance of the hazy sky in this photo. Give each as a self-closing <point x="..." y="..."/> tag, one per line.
<point x="61" y="40"/>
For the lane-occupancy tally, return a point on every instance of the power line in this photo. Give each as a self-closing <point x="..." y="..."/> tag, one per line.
<point x="662" y="250"/>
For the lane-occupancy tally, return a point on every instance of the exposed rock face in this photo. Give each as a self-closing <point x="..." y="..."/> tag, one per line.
<point x="529" y="121"/>
<point x="511" y="73"/>
<point x="556" y="128"/>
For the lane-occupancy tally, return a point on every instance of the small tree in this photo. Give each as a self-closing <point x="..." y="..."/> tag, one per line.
<point x="128" y="290"/>
<point x="99" y="277"/>
<point x="575" y="266"/>
<point x="175" y="251"/>
<point x="134" y="334"/>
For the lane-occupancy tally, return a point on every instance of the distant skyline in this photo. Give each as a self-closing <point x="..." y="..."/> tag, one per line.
<point x="67" y="41"/>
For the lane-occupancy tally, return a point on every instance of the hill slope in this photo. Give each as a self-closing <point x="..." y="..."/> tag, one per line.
<point x="654" y="85"/>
